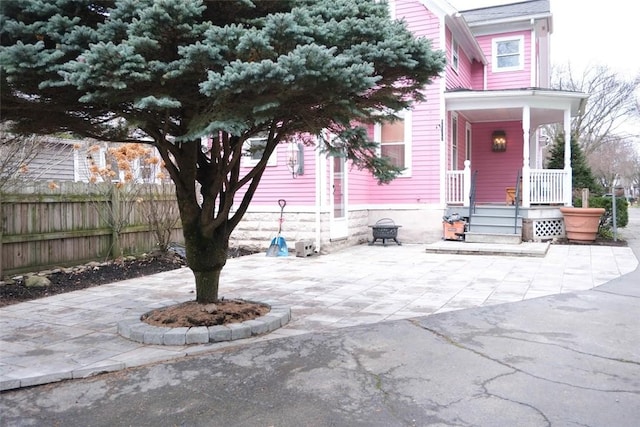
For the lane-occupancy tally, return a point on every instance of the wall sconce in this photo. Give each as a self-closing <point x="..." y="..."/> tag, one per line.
<point x="499" y="141"/>
<point x="295" y="158"/>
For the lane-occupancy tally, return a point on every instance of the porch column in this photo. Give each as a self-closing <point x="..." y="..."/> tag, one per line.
<point x="466" y="183"/>
<point x="567" y="190"/>
<point x="526" y="169"/>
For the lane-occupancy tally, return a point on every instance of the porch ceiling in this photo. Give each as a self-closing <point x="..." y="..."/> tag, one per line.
<point x="546" y="106"/>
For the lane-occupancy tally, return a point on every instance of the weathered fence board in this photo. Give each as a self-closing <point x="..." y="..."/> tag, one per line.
<point x="74" y="223"/>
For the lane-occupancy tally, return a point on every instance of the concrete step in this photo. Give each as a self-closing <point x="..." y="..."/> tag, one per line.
<point x="496" y="220"/>
<point x="501" y="238"/>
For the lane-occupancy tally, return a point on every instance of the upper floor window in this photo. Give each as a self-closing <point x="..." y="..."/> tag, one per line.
<point x="395" y="141"/>
<point x="253" y="150"/>
<point x="508" y="53"/>
<point x="455" y="55"/>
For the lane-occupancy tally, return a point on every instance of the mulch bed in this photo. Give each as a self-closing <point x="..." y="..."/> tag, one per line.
<point x="95" y="274"/>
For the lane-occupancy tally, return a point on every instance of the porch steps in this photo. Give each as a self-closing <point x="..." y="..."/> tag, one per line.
<point x="492" y="224"/>
<point x="505" y="239"/>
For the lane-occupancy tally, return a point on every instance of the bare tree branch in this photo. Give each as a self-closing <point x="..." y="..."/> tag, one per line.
<point x="612" y="105"/>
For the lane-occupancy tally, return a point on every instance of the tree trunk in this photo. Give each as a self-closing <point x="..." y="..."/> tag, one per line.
<point x="206" y="257"/>
<point x="207" y="284"/>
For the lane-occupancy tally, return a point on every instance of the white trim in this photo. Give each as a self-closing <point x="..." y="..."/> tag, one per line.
<point x="338" y="227"/>
<point x="455" y="54"/>
<point x="455" y="142"/>
<point x="468" y="137"/>
<point x="442" y="111"/>
<point x="392" y="8"/>
<point x="470" y="100"/>
<point x="320" y="176"/>
<point x="494" y="54"/>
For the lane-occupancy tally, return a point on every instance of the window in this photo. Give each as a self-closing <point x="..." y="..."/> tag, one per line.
<point x="455" y="55"/>
<point x="395" y="141"/>
<point x="508" y="54"/>
<point x="253" y="149"/>
<point x="454" y="141"/>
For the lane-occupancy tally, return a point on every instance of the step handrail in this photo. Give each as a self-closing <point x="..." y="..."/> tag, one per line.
<point x="517" y="201"/>
<point x="472" y="199"/>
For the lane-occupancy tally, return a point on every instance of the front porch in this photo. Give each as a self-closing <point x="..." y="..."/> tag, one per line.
<point x="530" y="210"/>
<point x="503" y="189"/>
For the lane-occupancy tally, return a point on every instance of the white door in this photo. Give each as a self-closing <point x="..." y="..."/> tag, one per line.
<point x="339" y="213"/>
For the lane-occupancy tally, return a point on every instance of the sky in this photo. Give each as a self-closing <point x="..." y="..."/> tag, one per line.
<point x="586" y="34"/>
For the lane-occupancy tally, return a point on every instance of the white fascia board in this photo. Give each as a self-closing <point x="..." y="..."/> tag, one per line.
<point x="441" y="8"/>
<point x="464" y="100"/>
<point x="505" y="25"/>
<point x="465" y="38"/>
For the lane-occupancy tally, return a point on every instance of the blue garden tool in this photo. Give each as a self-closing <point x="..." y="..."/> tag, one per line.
<point x="278" y="245"/>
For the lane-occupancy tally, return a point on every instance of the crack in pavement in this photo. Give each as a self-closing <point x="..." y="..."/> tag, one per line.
<point x="507" y="365"/>
<point x="517" y="402"/>
<point x="570" y="349"/>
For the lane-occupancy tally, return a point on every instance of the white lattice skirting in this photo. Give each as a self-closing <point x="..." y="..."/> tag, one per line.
<point x="544" y="229"/>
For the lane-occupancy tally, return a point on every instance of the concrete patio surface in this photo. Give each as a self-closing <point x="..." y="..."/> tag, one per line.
<point x="380" y="337"/>
<point x="74" y="335"/>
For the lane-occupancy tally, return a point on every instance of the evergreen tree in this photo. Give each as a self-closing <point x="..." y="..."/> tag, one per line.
<point x="582" y="175"/>
<point x="171" y="71"/>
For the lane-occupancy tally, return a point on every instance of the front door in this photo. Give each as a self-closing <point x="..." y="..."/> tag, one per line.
<point x="339" y="212"/>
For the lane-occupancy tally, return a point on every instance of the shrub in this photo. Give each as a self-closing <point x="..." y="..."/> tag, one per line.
<point x="606" y="202"/>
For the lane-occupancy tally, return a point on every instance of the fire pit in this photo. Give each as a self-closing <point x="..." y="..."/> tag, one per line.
<point x="385" y="229"/>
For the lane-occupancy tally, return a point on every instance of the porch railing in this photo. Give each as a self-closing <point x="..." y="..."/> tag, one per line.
<point x="454" y="187"/>
<point x="546" y="186"/>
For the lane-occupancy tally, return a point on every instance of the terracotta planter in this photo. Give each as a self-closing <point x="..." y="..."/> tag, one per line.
<point x="581" y="224"/>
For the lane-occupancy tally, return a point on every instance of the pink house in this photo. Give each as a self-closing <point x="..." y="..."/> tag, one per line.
<point x="475" y="147"/>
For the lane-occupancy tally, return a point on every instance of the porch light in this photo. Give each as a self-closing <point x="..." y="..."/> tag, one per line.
<point x="499" y="140"/>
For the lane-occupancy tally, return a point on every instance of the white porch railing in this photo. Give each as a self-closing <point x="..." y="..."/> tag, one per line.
<point x="454" y="187"/>
<point x="547" y="186"/>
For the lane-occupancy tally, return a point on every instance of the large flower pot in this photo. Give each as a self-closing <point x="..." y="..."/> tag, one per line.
<point x="581" y="224"/>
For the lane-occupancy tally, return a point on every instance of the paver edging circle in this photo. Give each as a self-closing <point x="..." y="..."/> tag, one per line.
<point x="136" y="330"/>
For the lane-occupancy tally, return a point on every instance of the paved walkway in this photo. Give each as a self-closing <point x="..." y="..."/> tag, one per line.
<point x="74" y="335"/>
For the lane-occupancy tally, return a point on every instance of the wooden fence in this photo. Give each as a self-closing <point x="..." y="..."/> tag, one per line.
<point x="72" y="223"/>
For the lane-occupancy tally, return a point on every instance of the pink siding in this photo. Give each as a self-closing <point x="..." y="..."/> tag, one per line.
<point x="462" y="77"/>
<point x="507" y="79"/>
<point x="496" y="171"/>
<point x="278" y="183"/>
<point x="424" y="183"/>
<point x="477" y="75"/>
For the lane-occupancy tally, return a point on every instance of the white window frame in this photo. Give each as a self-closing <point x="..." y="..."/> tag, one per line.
<point x="495" y="42"/>
<point x="405" y="115"/>
<point x="249" y="161"/>
<point x="455" y="55"/>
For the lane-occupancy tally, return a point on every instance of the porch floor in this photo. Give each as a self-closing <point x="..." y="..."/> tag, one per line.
<point x="526" y="249"/>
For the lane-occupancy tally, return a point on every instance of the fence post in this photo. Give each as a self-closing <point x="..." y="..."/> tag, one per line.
<point x="116" y="221"/>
